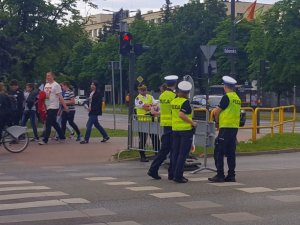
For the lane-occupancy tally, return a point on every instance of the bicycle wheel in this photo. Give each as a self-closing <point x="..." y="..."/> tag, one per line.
<point x="13" y="144"/>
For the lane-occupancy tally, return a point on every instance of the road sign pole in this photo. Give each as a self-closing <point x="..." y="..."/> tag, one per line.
<point x="113" y="92"/>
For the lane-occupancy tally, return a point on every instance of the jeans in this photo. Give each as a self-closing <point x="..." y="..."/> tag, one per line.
<point x="69" y="117"/>
<point x="30" y="114"/>
<point x="93" y="120"/>
<point x="51" y="121"/>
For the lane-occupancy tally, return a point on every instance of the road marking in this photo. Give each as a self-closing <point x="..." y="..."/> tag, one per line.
<point x="124" y="223"/>
<point x="120" y="183"/>
<point x="7" y="178"/>
<point x="55" y="215"/>
<point x="169" y="195"/>
<point x="81" y="174"/>
<point x="75" y="200"/>
<point x="24" y="188"/>
<point x="36" y="204"/>
<point x="289" y="189"/>
<point x="100" y="178"/>
<point x="31" y="195"/>
<point x="195" y="179"/>
<point x="16" y="182"/>
<point x="226" y="184"/>
<point x="199" y="204"/>
<point x="236" y="217"/>
<point x="144" y="188"/>
<point x="286" y="198"/>
<point x="255" y="189"/>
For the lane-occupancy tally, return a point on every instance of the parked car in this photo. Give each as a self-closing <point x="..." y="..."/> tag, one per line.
<point x="79" y="100"/>
<point x="199" y="101"/>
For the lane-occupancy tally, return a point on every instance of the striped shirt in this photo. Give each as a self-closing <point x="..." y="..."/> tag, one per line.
<point x="68" y="95"/>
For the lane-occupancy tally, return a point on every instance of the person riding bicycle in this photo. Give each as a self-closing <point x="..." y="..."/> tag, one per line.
<point x="4" y="107"/>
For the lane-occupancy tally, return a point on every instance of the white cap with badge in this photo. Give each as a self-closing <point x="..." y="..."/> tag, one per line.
<point x="171" y="79"/>
<point x="227" y="80"/>
<point x="185" y="86"/>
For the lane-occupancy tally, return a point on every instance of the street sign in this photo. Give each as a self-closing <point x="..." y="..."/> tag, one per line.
<point x="230" y="50"/>
<point x="107" y="87"/>
<point x="140" y="79"/>
<point x="213" y="64"/>
<point x="208" y="50"/>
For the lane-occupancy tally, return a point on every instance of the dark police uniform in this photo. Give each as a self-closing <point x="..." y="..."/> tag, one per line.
<point x="182" y="138"/>
<point x="225" y="144"/>
<point x="165" y="100"/>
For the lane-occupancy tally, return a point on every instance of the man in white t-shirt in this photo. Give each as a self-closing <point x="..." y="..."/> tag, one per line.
<point x="53" y="101"/>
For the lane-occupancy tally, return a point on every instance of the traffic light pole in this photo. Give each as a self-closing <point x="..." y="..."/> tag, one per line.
<point x="131" y="95"/>
<point x="121" y="81"/>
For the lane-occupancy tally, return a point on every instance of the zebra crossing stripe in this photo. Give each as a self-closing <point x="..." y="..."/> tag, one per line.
<point x="55" y="215"/>
<point x="15" y="182"/>
<point x="41" y="203"/>
<point x="31" y="195"/>
<point x="24" y="188"/>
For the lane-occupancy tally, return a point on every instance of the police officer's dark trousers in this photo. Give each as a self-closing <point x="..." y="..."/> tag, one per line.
<point x="166" y="146"/>
<point x="182" y="142"/>
<point x="143" y="139"/>
<point x="225" y="145"/>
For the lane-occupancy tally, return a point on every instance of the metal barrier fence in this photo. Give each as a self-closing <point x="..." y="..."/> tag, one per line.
<point x="146" y="131"/>
<point x="254" y="127"/>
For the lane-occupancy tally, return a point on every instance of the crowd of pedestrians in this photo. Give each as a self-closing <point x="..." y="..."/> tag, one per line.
<point x="52" y="104"/>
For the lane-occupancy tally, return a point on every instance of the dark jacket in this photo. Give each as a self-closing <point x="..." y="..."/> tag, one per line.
<point x="96" y="104"/>
<point x="5" y="107"/>
<point x="19" y="95"/>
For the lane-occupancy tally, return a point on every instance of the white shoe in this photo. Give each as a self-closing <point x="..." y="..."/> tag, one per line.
<point x="42" y="143"/>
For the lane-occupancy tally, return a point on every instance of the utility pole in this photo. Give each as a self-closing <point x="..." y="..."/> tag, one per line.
<point x="232" y="38"/>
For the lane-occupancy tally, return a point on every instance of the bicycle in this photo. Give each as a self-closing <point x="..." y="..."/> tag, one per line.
<point x="15" y="139"/>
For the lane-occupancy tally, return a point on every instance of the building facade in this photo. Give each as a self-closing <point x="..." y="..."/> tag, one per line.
<point x="95" y="23"/>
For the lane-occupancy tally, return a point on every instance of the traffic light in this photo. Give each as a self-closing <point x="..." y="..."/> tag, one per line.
<point x="140" y="49"/>
<point x="264" y="66"/>
<point x="125" y="43"/>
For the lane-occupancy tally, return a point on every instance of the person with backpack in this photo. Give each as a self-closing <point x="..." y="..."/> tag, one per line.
<point x="17" y="99"/>
<point x="30" y="97"/>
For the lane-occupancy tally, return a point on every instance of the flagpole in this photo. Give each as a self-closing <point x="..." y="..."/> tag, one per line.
<point x="232" y="38"/>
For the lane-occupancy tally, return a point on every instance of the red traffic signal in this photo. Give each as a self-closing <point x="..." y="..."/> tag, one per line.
<point x="125" y="43"/>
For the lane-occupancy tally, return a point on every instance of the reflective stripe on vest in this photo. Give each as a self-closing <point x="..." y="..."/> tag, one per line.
<point x="177" y="123"/>
<point x="141" y="111"/>
<point x="230" y="117"/>
<point x="165" y="100"/>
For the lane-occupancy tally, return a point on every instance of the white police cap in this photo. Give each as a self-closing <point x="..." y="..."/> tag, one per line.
<point x="229" y="80"/>
<point x="171" y="78"/>
<point x="185" y="86"/>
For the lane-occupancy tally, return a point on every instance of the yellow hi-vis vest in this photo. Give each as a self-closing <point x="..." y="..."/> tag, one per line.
<point x="141" y="111"/>
<point x="230" y="117"/>
<point x="177" y="123"/>
<point x="165" y="100"/>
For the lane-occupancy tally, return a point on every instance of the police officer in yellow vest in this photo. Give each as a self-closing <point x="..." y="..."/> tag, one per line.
<point x="165" y="100"/>
<point x="143" y="105"/>
<point x="183" y="130"/>
<point x="227" y="117"/>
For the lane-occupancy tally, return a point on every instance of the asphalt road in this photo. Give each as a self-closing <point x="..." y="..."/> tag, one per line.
<point x="267" y="192"/>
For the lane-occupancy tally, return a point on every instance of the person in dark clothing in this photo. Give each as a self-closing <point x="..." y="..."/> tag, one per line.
<point x="30" y="96"/>
<point x="95" y="109"/>
<point x="4" y="107"/>
<point x="17" y="101"/>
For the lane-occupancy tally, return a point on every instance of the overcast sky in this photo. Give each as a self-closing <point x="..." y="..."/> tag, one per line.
<point x="144" y="5"/>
